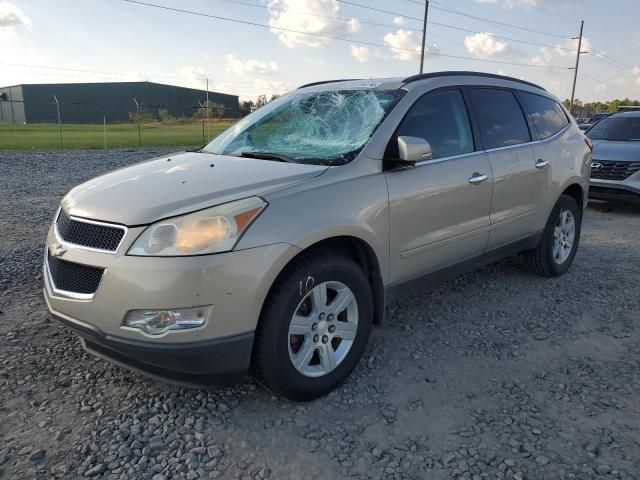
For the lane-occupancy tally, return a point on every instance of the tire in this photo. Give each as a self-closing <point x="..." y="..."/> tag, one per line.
<point x="546" y="261"/>
<point x="296" y="291"/>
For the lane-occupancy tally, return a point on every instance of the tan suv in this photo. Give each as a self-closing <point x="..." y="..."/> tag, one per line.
<point x="278" y="245"/>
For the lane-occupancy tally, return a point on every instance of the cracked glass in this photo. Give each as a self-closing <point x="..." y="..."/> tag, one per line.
<point x="310" y="127"/>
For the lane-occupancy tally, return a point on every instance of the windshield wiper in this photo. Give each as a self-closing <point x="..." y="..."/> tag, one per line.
<point x="268" y="156"/>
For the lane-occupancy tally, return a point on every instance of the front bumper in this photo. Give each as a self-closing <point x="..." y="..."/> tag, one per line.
<point x="235" y="284"/>
<point x="627" y="190"/>
<point x="217" y="362"/>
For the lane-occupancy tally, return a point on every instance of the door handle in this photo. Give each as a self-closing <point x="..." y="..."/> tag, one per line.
<point x="540" y="164"/>
<point x="477" y="178"/>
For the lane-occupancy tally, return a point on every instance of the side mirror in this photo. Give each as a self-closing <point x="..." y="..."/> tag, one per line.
<point x="414" y="149"/>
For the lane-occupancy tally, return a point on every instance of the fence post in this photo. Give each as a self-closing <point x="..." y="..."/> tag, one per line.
<point x="201" y="112"/>
<point x="59" y="121"/>
<point x="138" y="120"/>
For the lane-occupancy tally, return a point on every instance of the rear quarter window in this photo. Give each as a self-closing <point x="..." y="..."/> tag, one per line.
<point x="502" y="122"/>
<point x="547" y="115"/>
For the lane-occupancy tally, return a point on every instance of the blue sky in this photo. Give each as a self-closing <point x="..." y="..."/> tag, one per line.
<point x="112" y="40"/>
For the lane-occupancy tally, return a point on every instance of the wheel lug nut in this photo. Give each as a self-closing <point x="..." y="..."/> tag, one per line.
<point x="321" y="316"/>
<point x="316" y="338"/>
<point x="314" y="326"/>
<point x="325" y="339"/>
<point x="330" y="317"/>
<point x="332" y="328"/>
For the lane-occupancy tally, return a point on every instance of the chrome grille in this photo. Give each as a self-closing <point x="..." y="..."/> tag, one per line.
<point x="74" y="277"/>
<point x="612" y="170"/>
<point x="89" y="234"/>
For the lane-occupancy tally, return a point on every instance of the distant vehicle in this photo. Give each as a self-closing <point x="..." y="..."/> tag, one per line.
<point x="323" y="205"/>
<point x="629" y="108"/>
<point x="615" y="170"/>
<point x="593" y="120"/>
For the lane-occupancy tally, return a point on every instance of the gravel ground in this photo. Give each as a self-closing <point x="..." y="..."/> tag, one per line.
<point x="496" y="374"/>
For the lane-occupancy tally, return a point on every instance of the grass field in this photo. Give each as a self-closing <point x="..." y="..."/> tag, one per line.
<point x="45" y="136"/>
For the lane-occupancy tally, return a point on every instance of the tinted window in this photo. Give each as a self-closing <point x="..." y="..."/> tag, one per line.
<point x="440" y="118"/>
<point x="616" y="129"/>
<point x="547" y="115"/>
<point x="502" y="122"/>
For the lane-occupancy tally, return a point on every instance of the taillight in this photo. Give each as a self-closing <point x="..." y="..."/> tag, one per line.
<point x="589" y="143"/>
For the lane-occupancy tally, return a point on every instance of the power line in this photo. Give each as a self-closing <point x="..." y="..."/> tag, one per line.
<point x="500" y="37"/>
<point x="359" y="5"/>
<point x="262" y="25"/>
<point x="138" y="2"/>
<point x="329" y="17"/>
<point x="628" y="92"/>
<point x="494" y="22"/>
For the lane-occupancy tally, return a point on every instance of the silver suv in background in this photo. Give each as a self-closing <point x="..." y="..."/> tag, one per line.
<point x="615" y="170"/>
<point x="278" y="245"/>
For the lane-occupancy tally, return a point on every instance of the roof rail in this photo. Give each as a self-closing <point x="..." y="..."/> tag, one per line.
<point x="328" y="81"/>
<point x="425" y="76"/>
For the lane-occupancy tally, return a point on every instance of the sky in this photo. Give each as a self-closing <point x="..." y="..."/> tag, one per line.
<point x="42" y="41"/>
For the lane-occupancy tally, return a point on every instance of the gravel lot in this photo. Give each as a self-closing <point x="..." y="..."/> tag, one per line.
<point x="496" y="374"/>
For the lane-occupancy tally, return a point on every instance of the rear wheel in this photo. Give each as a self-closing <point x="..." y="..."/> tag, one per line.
<point x="554" y="254"/>
<point x="314" y="327"/>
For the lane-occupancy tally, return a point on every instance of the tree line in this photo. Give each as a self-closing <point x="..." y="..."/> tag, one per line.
<point x="610" y="106"/>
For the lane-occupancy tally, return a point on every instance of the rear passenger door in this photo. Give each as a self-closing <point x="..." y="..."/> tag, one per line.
<point x="517" y="183"/>
<point x="439" y="208"/>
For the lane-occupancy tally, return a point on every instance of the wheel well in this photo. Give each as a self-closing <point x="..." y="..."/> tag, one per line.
<point x="576" y="192"/>
<point x="362" y="253"/>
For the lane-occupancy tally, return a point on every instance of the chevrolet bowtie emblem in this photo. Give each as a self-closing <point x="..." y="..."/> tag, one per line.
<point x="57" y="250"/>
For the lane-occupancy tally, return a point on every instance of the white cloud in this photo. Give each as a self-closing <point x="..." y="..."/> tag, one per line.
<point x="405" y="44"/>
<point x="271" y="87"/>
<point x="286" y="14"/>
<point x="12" y="16"/>
<point x="193" y="74"/>
<point x="398" y="21"/>
<point x="513" y="3"/>
<point x="252" y="67"/>
<point x="521" y="3"/>
<point x="484" y="44"/>
<point x="560" y="51"/>
<point x="365" y="54"/>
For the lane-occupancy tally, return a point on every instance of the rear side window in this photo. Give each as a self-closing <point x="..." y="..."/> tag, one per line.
<point x="502" y="122"/>
<point x="547" y="115"/>
<point x="441" y="118"/>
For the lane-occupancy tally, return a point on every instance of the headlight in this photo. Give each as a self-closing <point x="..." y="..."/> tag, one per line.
<point x="212" y="230"/>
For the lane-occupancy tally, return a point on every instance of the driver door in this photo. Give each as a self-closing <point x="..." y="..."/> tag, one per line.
<point x="439" y="208"/>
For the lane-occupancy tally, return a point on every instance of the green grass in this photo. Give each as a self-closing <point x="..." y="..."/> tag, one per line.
<point x="45" y="136"/>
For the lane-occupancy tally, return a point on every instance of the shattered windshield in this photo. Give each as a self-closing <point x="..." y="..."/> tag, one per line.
<point x="312" y="127"/>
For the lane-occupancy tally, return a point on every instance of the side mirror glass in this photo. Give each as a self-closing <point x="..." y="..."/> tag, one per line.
<point x="414" y="149"/>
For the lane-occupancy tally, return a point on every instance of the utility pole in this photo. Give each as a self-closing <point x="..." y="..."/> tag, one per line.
<point x="424" y="35"/>
<point x="207" y="104"/>
<point x="138" y="120"/>
<point x="59" y="122"/>
<point x="575" y="70"/>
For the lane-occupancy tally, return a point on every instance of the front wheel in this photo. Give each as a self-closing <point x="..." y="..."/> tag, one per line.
<point x="559" y="243"/>
<point x="314" y="327"/>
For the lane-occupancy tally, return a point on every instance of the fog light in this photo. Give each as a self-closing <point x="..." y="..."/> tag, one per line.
<point x="157" y="322"/>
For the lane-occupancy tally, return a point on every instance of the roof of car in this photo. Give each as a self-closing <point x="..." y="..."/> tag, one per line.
<point x="630" y="113"/>
<point x="425" y="76"/>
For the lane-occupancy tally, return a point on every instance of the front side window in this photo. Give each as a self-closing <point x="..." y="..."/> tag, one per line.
<point x="616" y="129"/>
<point x="502" y="122"/>
<point x="440" y="118"/>
<point x="310" y="127"/>
<point x="548" y="117"/>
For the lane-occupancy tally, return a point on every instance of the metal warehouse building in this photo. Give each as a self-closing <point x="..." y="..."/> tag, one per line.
<point x="92" y="102"/>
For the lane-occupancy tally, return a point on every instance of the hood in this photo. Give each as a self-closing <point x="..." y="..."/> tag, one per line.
<point x="617" y="151"/>
<point x="177" y="184"/>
